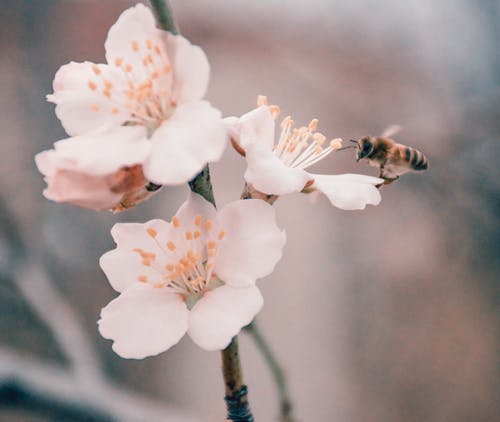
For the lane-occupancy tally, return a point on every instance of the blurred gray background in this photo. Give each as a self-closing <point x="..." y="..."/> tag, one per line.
<point x="389" y="314"/>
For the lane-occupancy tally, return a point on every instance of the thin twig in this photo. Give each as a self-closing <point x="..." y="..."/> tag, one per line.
<point x="276" y="370"/>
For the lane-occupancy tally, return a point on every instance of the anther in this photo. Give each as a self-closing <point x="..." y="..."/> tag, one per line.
<point x="313" y="125"/>
<point x="95" y="107"/>
<point x="152" y="232"/>
<point x="196" y="234"/>
<point x="336" y="143"/>
<point x="175" y="221"/>
<point x="221" y="235"/>
<point x="169" y="267"/>
<point x="96" y="69"/>
<point x="92" y="85"/>
<point x="171" y="246"/>
<point x="157" y="50"/>
<point x="128" y="68"/>
<point x="149" y="44"/>
<point x="197" y="220"/>
<point x="135" y="46"/>
<point x="107" y="93"/>
<point x="208" y="224"/>
<point x="118" y="61"/>
<point x="262" y="100"/>
<point x="211" y="244"/>
<point x="189" y="235"/>
<point x="275" y="110"/>
<point x="143" y="278"/>
<point x="115" y="110"/>
<point x="108" y="84"/>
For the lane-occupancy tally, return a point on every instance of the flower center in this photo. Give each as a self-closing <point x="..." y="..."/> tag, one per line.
<point x="299" y="147"/>
<point x="186" y="265"/>
<point x="146" y="95"/>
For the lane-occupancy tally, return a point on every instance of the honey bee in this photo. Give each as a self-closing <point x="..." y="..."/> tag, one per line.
<point x="391" y="158"/>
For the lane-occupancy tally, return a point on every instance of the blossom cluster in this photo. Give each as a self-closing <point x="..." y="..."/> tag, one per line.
<point x="139" y="122"/>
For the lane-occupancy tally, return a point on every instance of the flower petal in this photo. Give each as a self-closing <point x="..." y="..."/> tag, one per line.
<point x="130" y="236"/>
<point x="144" y="321"/>
<point x="185" y="143"/>
<point x="348" y="191"/>
<point x="66" y="183"/>
<point x="252" y="244"/>
<point x="256" y="126"/>
<point x="268" y="174"/>
<point x="190" y="69"/>
<point x="105" y="152"/>
<point x="83" y="101"/>
<point x="195" y="206"/>
<point x="221" y="314"/>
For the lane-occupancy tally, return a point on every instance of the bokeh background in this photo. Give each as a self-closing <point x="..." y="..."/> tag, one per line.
<point x="389" y="314"/>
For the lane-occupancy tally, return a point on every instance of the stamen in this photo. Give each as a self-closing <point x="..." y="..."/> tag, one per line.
<point x="208" y="224"/>
<point x="211" y="244"/>
<point x="152" y="232"/>
<point x="96" y="69"/>
<point x="171" y="246"/>
<point x="108" y="84"/>
<point x="275" y="111"/>
<point x="92" y="85"/>
<point x="336" y="143"/>
<point x="196" y="234"/>
<point x="189" y="235"/>
<point x="262" y="100"/>
<point x="149" y="44"/>
<point x="115" y="110"/>
<point x="95" y="107"/>
<point x="128" y="68"/>
<point x="135" y="46"/>
<point x="143" y="278"/>
<point x="175" y="221"/>
<point x="197" y="220"/>
<point x="169" y="267"/>
<point x="221" y="235"/>
<point x="118" y="61"/>
<point x="313" y="125"/>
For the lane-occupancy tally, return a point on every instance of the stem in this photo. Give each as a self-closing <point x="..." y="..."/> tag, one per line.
<point x="164" y="17"/>
<point x="276" y="370"/>
<point x="238" y="409"/>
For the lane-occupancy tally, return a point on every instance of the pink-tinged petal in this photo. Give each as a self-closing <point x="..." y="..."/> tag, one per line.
<point x="134" y="39"/>
<point x="144" y="321"/>
<point x="254" y="127"/>
<point x="191" y="70"/>
<point x="348" y="191"/>
<point x="124" y="269"/>
<point x="185" y="143"/>
<point x="221" y="314"/>
<point x="268" y="174"/>
<point x="104" y="152"/>
<point x="67" y="185"/>
<point x="86" y="97"/>
<point x="252" y="244"/>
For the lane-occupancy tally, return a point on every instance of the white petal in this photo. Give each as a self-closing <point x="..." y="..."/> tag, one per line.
<point x="268" y="174"/>
<point x="348" y="191"/>
<point x="221" y="314"/>
<point x="195" y="206"/>
<point x="123" y="267"/>
<point x="144" y="321"/>
<point x="191" y="70"/>
<point x="104" y="152"/>
<point x="129" y="236"/>
<point x="252" y="244"/>
<point x="185" y="143"/>
<point x="133" y="37"/>
<point x="67" y="184"/>
<point x="81" y="104"/>
<point x="256" y="126"/>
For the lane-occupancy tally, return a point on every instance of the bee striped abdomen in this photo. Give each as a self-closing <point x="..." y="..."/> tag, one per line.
<point x="418" y="159"/>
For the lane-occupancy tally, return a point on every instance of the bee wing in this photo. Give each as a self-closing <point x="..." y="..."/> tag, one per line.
<point x="391" y="130"/>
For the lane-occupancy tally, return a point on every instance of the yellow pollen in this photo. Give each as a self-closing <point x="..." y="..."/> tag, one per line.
<point x="115" y="110"/>
<point x="108" y="84"/>
<point x="211" y="252"/>
<point x="143" y="278"/>
<point x="286" y="122"/>
<point x="149" y="58"/>
<point x="145" y="61"/>
<point x="189" y="235"/>
<point x="221" y="235"/>
<point x="135" y="46"/>
<point x="275" y="110"/>
<point x="146" y="262"/>
<point x="262" y="100"/>
<point x="167" y="68"/>
<point x="138" y="250"/>
<point x="176" y="222"/>
<point x="197" y="220"/>
<point x="169" y="267"/>
<point x="196" y="234"/>
<point x="336" y="143"/>
<point x="158" y="285"/>
<point x="149" y="255"/>
<point x="92" y="85"/>
<point x="118" y="61"/>
<point x="95" y="107"/>
<point x="152" y="232"/>
<point x="96" y="69"/>
<point x="313" y="125"/>
<point x="107" y="93"/>
<point x="319" y="138"/>
<point x="211" y="244"/>
<point x="208" y="224"/>
<point x="128" y="68"/>
<point x="149" y="44"/>
<point x="157" y="50"/>
<point x="171" y="246"/>
<point x="318" y="149"/>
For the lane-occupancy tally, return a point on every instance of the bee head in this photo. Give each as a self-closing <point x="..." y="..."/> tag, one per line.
<point x="365" y="147"/>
